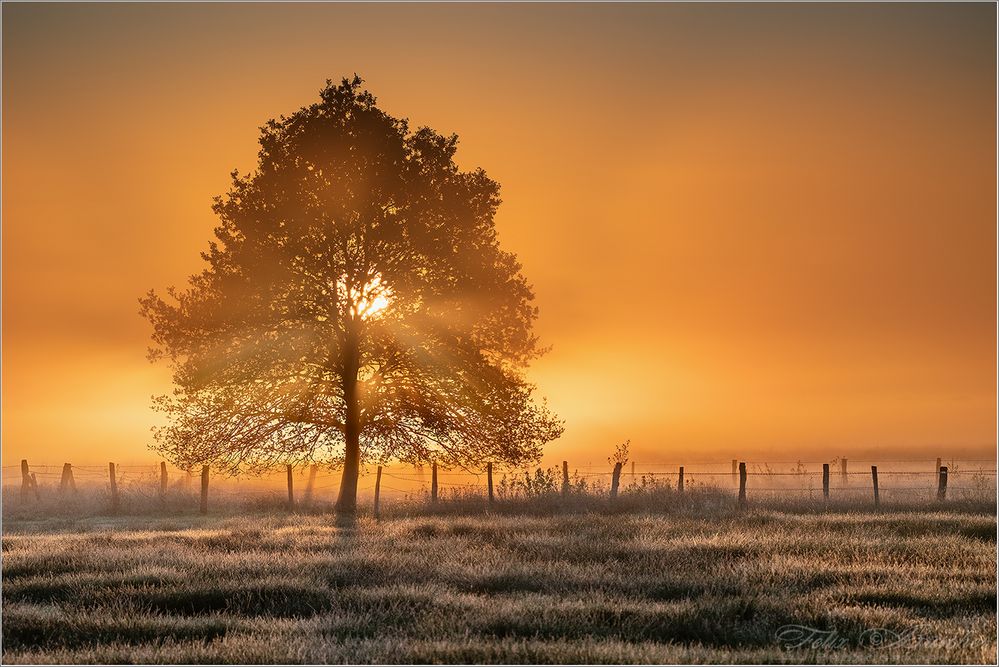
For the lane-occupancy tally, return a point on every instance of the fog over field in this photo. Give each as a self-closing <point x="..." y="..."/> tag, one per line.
<point x="695" y="582"/>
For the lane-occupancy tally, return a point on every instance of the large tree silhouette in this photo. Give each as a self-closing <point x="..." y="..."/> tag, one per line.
<point x="356" y="306"/>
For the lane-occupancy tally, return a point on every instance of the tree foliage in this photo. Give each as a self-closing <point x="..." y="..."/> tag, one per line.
<point x="356" y="306"/>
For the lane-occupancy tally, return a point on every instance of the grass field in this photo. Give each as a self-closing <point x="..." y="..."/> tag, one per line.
<point x="689" y="585"/>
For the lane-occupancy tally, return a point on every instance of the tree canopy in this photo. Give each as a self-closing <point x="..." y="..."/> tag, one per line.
<point x="356" y="306"/>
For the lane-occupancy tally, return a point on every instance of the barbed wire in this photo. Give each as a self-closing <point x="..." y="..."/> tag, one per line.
<point x="153" y="468"/>
<point x="324" y="480"/>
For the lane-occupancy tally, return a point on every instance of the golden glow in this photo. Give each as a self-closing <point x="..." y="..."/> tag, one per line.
<point x="752" y="229"/>
<point x="368" y="300"/>
<point x="378" y="304"/>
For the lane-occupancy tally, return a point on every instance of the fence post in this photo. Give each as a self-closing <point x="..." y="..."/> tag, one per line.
<point x="34" y="486"/>
<point x="565" y="478"/>
<point x="742" y="484"/>
<point x="67" y="482"/>
<point x="163" y="480"/>
<point x="433" y="483"/>
<point x="114" y="489"/>
<point x="204" y="489"/>
<point x="378" y="489"/>
<point x="939" y="463"/>
<point x="615" y="480"/>
<point x="735" y="472"/>
<point x="25" y="480"/>
<point x="291" y="487"/>
<point x="942" y="484"/>
<point x="842" y="464"/>
<point x="679" y="481"/>
<point x="874" y="480"/>
<point x="307" y="497"/>
<point x="489" y="481"/>
<point x="825" y="482"/>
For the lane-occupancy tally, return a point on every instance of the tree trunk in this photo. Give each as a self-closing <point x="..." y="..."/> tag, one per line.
<point x="346" y="502"/>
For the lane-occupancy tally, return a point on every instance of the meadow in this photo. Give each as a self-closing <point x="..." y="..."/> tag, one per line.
<point x="651" y="578"/>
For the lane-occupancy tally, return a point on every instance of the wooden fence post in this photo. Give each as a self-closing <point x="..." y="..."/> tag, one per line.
<point x="489" y="481"/>
<point x="615" y="480"/>
<point x="874" y="480"/>
<point x="433" y="483"/>
<point x="204" y="489"/>
<point x="291" y="487"/>
<point x="937" y="469"/>
<point x="25" y="480"/>
<point x="67" y="483"/>
<point x="825" y="482"/>
<point x="742" y="484"/>
<point x="942" y="484"/>
<point x="842" y="464"/>
<point x="735" y="472"/>
<point x="163" y="480"/>
<point x="310" y="485"/>
<point x="34" y="486"/>
<point x="378" y="490"/>
<point x="679" y="481"/>
<point x="565" y="478"/>
<point x="114" y="489"/>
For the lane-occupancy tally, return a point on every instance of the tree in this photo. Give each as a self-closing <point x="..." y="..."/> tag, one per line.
<point x="356" y="306"/>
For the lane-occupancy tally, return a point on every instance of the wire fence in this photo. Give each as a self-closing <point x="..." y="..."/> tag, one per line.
<point x="896" y="478"/>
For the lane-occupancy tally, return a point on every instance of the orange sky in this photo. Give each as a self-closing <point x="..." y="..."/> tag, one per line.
<point x="754" y="230"/>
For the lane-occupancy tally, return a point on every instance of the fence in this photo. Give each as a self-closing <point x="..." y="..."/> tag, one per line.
<point x="316" y="485"/>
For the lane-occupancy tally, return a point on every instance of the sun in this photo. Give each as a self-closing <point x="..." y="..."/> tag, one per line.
<point x="376" y="305"/>
<point x="369" y="300"/>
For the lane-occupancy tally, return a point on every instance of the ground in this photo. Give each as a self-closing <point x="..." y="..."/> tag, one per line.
<point x="758" y="586"/>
